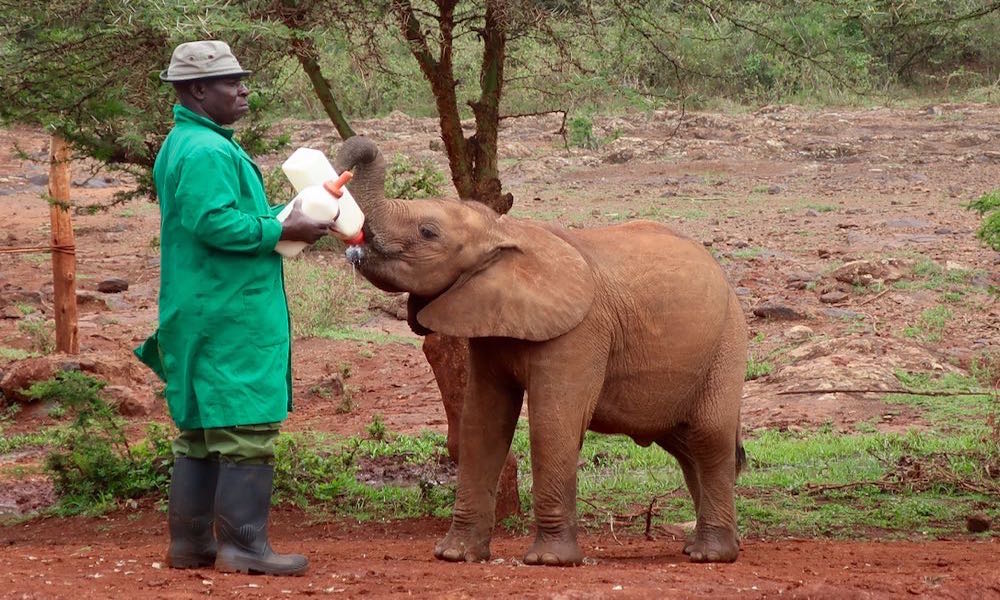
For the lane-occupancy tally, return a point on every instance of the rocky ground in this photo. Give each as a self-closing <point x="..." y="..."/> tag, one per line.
<point x="844" y="232"/>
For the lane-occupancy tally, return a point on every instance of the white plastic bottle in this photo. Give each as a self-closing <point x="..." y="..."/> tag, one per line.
<point x="323" y="196"/>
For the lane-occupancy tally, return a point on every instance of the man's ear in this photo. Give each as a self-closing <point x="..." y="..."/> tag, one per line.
<point x="197" y="90"/>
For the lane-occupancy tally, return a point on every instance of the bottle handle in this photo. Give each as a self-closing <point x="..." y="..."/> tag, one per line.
<point x="333" y="186"/>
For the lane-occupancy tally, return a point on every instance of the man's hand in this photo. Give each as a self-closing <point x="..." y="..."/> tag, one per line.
<point x="300" y="227"/>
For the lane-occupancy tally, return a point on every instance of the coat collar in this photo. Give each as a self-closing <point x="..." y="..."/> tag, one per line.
<point x="183" y="114"/>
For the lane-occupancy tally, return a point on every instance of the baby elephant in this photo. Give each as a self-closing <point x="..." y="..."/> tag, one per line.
<point x="629" y="329"/>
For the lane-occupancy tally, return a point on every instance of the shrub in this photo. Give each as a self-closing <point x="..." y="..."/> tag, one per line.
<point x="409" y="179"/>
<point x="988" y="205"/>
<point x="95" y="465"/>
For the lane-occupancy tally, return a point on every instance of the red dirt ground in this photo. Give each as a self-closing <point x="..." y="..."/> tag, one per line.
<point x="120" y="556"/>
<point x="776" y="192"/>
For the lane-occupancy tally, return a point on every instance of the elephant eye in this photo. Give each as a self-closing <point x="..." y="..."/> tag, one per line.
<point x="428" y="232"/>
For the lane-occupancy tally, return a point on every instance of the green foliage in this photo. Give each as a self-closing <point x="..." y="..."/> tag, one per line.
<point x="15" y="353"/>
<point x="757" y="368"/>
<point x="931" y="324"/>
<point x="324" y="474"/>
<point x="94" y="466"/>
<point x="581" y="133"/>
<point x="377" y="429"/>
<point x="409" y="179"/>
<point x="41" y="332"/>
<point x="988" y="205"/>
<point x="89" y="70"/>
<point x="324" y="297"/>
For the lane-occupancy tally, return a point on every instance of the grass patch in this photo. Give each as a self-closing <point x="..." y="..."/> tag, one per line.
<point x="326" y="474"/>
<point x="757" y="368"/>
<point x="365" y="335"/>
<point x="931" y="324"/>
<point x="324" y="297"/>
<point x="748" y="253"/>
<point x="16" y="353"/>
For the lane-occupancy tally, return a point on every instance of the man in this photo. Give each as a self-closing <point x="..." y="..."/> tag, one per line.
<point x="223" y="343"/>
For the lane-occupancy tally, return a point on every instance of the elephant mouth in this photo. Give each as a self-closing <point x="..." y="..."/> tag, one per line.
<point x="370" y="263"/>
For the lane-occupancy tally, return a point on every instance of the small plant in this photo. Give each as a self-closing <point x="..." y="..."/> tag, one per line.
<point x="377" y="429"/>
<point x="757" y="368"/>
<point x="748" y="253"/>
<point x="581" y="133"/>
<point x="409" y="180"/>
<point x="988" y="205"/>
<point x="95" y="465"/>
<point x="15" y="353"/>
<point x="41" y="333"/>
<point x="277" y="187"/>
<point x="931" y="324"/>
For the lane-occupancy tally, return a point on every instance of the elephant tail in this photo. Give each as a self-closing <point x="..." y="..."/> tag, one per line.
<point x="741" y="456"/>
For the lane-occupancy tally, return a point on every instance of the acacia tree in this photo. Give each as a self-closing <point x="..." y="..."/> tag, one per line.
<point x="88" y="70"/>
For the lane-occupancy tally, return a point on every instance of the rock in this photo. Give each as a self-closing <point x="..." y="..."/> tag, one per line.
<point x="774" y="189"/>
<point x="89" y="300"/>
<point x="38" y="179"/>
<point x="619" y="157"/>
<point x="778" y="312"/>
<point x="436" y="145"/>
<point x="842" y="313"/>
<point x="18" y="377"/>
<point x="707" y="243"/>
<point x="95" y="183"/>
<point x="112" y="286"/>
<point x="10" y="312"/>
<point x="823" y="253"/>
<point x="833" y="297"/>
<point x="127" y="402"/>
<point x="978" y="523"/>
<point x="859" y="272"/>
<point x="812" y="213"/>
<point x="798" y="333"/>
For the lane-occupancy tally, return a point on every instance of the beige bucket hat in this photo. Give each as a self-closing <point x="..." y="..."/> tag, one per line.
<point x="201" y="60"/>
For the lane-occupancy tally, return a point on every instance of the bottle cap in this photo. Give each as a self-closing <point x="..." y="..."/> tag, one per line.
<point x="334" y="185"/>
<point x="357" y="240"/>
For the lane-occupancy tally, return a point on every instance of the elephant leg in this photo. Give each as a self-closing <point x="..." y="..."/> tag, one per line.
<point x="449" y="359"/>
<point x="713" y="442"/>
<point x="676" y="444"/>
<point x="487" y="428"/>
<point x="559" y="413"/>
<point x="715" y="538"/>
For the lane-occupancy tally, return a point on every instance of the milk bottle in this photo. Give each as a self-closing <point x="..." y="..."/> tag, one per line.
<point x="323" y="196"/>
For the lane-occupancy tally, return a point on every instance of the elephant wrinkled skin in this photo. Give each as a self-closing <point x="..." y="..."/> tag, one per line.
<point x="630" y="329"/>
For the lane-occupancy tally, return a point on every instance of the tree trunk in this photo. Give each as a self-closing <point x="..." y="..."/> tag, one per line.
<point x="63" y="248"/>
<point x="449" y="359"/>
<point x="307" y="55"/>
<point x="474" y="172"/>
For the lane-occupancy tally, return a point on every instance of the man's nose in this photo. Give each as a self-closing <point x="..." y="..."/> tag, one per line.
<point x="243" y="90"/>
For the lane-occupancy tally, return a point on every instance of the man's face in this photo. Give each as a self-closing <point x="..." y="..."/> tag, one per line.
<point x="225" y="99"/>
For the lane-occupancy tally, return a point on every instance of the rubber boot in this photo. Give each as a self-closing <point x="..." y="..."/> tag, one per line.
<point x="242" y="505"/>
<point x="190" y="513"/>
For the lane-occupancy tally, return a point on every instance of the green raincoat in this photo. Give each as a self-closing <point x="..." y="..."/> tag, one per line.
<point x="223" y="344"/>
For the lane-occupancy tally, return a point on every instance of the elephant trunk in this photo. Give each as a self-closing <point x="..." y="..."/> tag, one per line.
<point x="361" y="156"/>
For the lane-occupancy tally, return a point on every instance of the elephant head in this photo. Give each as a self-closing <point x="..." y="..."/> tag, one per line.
<point x="469" y="272"/>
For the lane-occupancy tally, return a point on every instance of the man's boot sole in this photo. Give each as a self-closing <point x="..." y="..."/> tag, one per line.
<point x="252" y="566"/>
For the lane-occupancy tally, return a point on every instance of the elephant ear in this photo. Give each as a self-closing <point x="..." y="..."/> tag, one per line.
<point x="532" y="285"/>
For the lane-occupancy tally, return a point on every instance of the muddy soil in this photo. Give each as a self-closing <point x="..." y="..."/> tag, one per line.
<point x="839" y="228"/>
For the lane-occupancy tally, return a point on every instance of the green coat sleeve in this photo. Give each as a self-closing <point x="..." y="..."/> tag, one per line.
<point x="207" y="196"/>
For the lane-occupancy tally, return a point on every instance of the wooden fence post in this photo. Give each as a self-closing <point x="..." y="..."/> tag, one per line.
<point x="63" y="248"/>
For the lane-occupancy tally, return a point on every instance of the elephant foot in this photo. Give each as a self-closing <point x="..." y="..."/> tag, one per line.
<point x="459" y="546"/>
<point x="713" y="544"/>
<point x="554" y="552"/>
